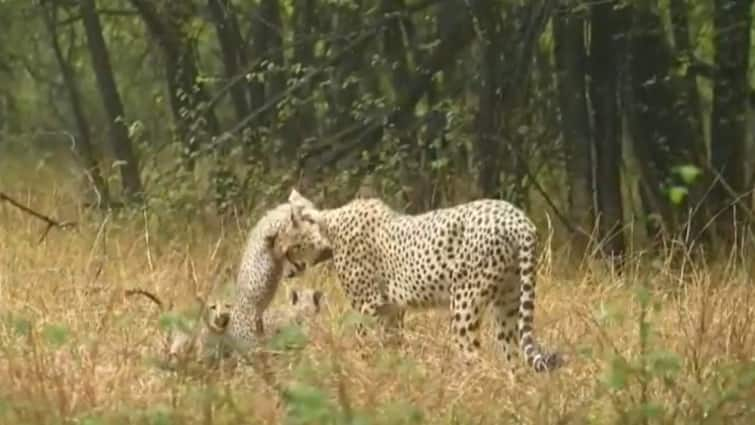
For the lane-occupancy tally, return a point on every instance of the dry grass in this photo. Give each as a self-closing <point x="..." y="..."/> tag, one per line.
<point x="73" y="349"/>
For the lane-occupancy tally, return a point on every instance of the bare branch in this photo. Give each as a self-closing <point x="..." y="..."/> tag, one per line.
<point x="101" y="12"/>
<point x="50" y="222"/>
<point x="150" y="295"/>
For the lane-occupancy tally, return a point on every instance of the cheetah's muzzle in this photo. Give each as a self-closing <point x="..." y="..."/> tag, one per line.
<point x="222" y="320"/>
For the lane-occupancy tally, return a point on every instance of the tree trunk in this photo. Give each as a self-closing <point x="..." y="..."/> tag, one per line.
<point x="84" y="141"/>
<point x="345" y="90"/>
<point x="606" y="31"/>
<point x="571" y="63"/>
<point x="267" y="45"/>
<point x="129" y="168"/>
<point x="690" y="95"/>
<point x="269" y="20"/>
<point x="302" y="125"/>
<point x="490" y="96"/>
<point x="689" y="98"/>
<point x="229" y="38"/>
<point x="659" y="116"/>
<point x="195" y="121"/>
<point x="730" y="88"/>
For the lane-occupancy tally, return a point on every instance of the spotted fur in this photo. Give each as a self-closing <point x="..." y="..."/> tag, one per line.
<point x="301" y="305"/>
<point x="200" y="340"/>
<point x="208" y="345"/>
<point x="469" y="256"/>
<point x="262" y="267"/>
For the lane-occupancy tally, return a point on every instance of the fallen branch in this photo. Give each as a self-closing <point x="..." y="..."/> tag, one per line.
<point x="150" y="295"/>
<point x="50" y="222"/>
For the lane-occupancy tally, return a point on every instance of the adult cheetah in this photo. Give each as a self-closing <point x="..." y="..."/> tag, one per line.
<point x="467" y="256"/>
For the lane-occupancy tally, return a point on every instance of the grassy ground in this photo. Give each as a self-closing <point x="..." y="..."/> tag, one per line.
<point x="74" y="350"/>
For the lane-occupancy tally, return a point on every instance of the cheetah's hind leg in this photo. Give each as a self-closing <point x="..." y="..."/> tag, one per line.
<point x="391" y="320"/>
<point x="506" y="311"/>
<point x="467" y="307"/>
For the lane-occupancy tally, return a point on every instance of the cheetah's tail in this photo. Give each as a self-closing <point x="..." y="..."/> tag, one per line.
<point x="536" y="357"/>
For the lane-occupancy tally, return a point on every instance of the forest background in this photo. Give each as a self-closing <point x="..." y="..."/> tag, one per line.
<point x="152" y="134"/>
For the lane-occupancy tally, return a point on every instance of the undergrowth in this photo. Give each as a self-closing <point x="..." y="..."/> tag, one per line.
<point x="666" y="342"/>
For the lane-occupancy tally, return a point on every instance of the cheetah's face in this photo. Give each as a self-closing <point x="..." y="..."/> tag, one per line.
<point x="302" y="239"/>
<point x="218" y="316"/>
<point x="307" y="301"/>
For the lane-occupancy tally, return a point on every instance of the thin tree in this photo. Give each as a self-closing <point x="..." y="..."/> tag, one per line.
<point x="83" y="144"/>
<point x="571" y="64"/>
<point x="111" y="99"/>
<point x="731" y="40"/>
<point x="606" y="31"/>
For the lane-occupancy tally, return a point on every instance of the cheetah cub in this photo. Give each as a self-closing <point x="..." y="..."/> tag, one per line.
<point x="200" y="340"/>
<point x="263" y="265"/>
<point x="301" y="306"/>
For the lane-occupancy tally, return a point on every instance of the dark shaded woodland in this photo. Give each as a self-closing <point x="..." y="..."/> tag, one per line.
<point x="607" y="115"/>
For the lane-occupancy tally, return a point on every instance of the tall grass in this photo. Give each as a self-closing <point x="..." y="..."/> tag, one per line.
<point x="671" y="340"/>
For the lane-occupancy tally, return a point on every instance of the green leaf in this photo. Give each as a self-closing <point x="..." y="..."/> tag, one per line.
<point x="158" y="416"/>
<point x="617" y="375"/>
<point x="643" y="295"/>
<point x="21" y="326"/>
<point x="650" y="410"/>
<point x="170" y="321"/>
<point x="665" y="362"/>
<point x="55" y="335"/>
<point x="306" y="404"/>
<point x="288" y="338"/>
<point x="92" y="420"/>
<point x="688" y="173"/>
<point x="4" y="407"/>
<point x="677" y="194"/>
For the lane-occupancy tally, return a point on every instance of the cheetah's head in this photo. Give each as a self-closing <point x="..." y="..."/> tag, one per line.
<point x="307" y="301"/>
<point x="218" y="316"/>
<point x="302" y="239"/>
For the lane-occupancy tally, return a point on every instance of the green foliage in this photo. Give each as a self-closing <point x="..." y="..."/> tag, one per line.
<point x="639" y="386"/>
<point x="55" y="335"/>
<point x="92" y="420"/>
<point x="687" y="176"/>
<point x="309" y="405"/>
<point x="688" y="173"/>
<point x="290" y="337"/>
<point x="677" y="194"/>
<point x="169" y="321"/>
<point x="20" y="325"/>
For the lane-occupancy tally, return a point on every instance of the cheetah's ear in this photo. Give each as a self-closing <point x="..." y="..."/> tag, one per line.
<point x="316" y="298"/>
<point x="270" y="239"/>
<point x="294" y="295"/>
<point x="296" y="198"/>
